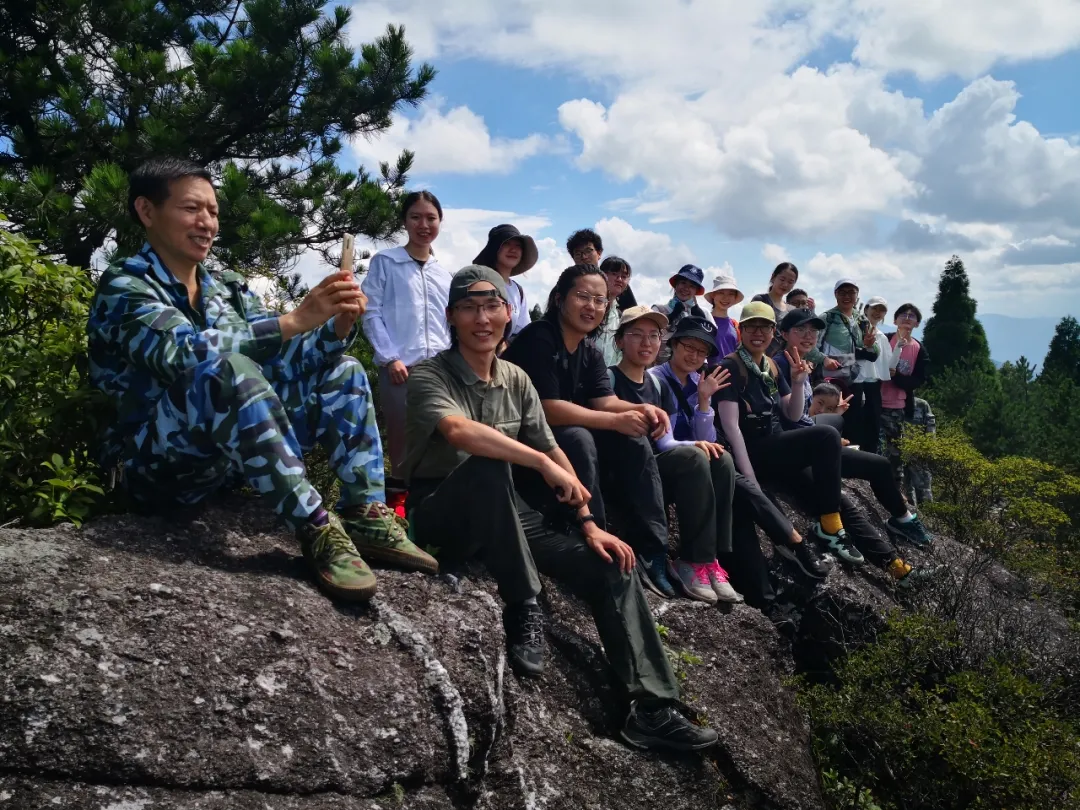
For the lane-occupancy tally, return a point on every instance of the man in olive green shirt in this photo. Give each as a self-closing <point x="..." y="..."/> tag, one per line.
<point x="471" y="419"/>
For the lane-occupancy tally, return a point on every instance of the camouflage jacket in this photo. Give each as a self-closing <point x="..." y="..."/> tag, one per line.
<point x="144" y="334"/>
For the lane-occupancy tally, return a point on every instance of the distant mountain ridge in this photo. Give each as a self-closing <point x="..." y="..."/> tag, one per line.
<point x="1010" y="338"/>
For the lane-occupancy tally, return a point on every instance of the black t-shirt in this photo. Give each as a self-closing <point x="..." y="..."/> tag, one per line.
<point x="648" y="392"/>
<point x="759" y="413"/>
<point x="556" y="373"/>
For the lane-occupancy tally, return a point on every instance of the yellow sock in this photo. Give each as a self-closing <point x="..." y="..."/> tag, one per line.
<point x="831" y="523"/>
<point x="899" y="569"/>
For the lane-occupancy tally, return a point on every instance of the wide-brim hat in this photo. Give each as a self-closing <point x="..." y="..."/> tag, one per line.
<point x="690" y="273"/>
<point x="699" y="329"/>
<point x="798" y="317"/>
<point x="641" y="311"/>
<point x="497" y="236"/>
<point x="724" y="282"/>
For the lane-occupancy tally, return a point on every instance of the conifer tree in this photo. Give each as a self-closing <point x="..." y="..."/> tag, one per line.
<point x="953" y="337"/>
<point x="1063" y="358"/>
<point x="265" y="92"/>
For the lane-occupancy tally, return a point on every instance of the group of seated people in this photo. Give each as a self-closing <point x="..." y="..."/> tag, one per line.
<point x="551" y="447"/>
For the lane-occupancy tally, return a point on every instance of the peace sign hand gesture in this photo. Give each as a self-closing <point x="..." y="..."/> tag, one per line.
<point x="799" y="367"/>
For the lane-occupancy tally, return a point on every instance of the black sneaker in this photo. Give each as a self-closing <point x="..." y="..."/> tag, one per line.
<point x="918" y="577"/>
<point x="805" y="557"/>
<point x="664" y="727"/>
<point x="913" y="531"/>
<point x="524" y="625"/>
<point x="655" y="570"/>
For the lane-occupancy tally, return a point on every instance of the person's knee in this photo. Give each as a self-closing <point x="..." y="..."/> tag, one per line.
<point x="579" y="445"/>
<point x="228" y="375"/>
<point x="349" y="372"/>
<point x="723" y="466"/>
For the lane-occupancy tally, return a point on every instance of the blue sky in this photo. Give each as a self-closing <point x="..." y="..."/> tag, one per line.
<point x="862" y="138"/>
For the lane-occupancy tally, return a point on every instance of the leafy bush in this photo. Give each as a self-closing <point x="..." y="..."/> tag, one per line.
<point x="46" y="407"/>
<point x="908" y="724"/>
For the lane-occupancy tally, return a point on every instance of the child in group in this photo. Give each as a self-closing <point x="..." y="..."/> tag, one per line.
<point x="405" y="321"/>
<point x="725" y="293"/>
<point x="697" y="476"/>
<point x="873" y="373"/>
<point x="848" y="338"/>
<point x="687" y="285"/>
<point x="908" y="366"/>
<point x="510" y="253"/>
<point x="597" y="430"/>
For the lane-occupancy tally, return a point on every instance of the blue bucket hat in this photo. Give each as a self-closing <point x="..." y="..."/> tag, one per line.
<point x="690" y="273"/>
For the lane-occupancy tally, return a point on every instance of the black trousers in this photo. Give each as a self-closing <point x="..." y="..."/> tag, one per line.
<point x="745" y="563"/>
<point x="701" y="489"/>
<point x="877" y="471"/>
<point x="867" y="428"/>
<point x="629" y="476"/>
<point x="476" y="511"/>
<point x="782" y="457"/>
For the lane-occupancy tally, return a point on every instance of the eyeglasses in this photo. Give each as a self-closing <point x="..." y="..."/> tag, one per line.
<point x="906" y="316"/>
<point x="756" y="327"/>
<point x="490" y="308"/>
<point x="644" y="337"/>
<point x="585" y="253"/>
<point x="804" y="331"/>
<point x="693" y="351"/>
<point x="584" y="298"/>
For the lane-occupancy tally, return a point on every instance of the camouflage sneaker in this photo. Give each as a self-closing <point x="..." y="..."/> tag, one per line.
<point x="382" y="535"/>
<point x="337" y="565"/>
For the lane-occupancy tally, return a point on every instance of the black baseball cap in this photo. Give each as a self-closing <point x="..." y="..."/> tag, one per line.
<point x="698" y="328"/>
<point x="797" y="317"/>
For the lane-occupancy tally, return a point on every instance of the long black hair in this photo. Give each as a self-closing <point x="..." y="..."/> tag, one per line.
<point x="562" y="289"/>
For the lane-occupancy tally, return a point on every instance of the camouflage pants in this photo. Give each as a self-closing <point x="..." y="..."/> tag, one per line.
<point x="224" y="420"/>
<point x="914" y="480"/>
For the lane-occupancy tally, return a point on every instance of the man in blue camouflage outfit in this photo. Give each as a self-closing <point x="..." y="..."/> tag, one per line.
<point x="209" y="386"/>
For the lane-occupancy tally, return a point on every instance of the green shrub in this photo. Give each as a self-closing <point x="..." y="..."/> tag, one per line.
<point x="46" y="407"/>
<point x="909" y="724"/>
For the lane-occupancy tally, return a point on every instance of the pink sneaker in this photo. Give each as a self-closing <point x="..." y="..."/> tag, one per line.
<point x="694" y="580"/>
<point x="720" y="585"/>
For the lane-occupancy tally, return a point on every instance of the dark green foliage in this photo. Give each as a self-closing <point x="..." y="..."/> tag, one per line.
<point x="46" y="408"/>
<point x="264" y="91"/>
<point x="953" y="337"/>
<point x="912" y="723"/>
<point x="1063" y="359"/>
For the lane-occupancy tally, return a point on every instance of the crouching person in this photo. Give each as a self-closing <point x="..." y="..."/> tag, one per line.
<point x="472" y="418"/>
<point x="209" y="387"/>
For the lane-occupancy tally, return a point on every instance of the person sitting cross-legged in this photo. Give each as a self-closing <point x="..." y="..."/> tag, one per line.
<point x="208" y="386"/>
<point x="473" y="419"/>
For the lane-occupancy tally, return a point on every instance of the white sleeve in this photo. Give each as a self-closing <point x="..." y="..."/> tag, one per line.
<point x="521" y="317"/>
<point x="375" y="327"/>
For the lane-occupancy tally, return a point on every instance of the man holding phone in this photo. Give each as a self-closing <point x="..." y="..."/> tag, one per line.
<point x="848" y="337"/>
<point x="209" y="387"/>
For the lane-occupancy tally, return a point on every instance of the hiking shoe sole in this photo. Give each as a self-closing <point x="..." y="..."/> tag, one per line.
<point x="904" y="537"/>
<point x="399" y="559"/>
<point x="647" y="743"/>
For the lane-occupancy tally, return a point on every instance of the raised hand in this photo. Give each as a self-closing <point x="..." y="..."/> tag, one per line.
<point x="869" y="337"/>
<point x="845" y="403"/>
<point x="799" y="367"/>
<point x="718" y="379"/>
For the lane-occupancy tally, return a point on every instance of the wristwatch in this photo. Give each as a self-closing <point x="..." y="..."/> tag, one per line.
<point x="586" y="518"/>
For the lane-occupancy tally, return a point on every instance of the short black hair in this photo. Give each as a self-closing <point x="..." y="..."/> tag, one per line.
<point x="152" y="178"/>
<point x="586" y="236"/>
<point x="900" y="310"/>
<point x="413" y="197"/>
<point x="794" y="292"/>
<point x="827" y="389"/>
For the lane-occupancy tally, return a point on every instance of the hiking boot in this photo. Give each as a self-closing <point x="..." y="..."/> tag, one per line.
<point x="381" y="535"/>
<point x="804" y="557"/>
<point x="783" y="617"/>
<point x="840" y="545"/>
<point x="720" y="585"/>
<point x="339" y="570"/>
<point x="524" y="625"/>
<point x="694" y="580"/>
<point x="664" y="727"/>
<point x="912" y="531"/>
<point x="655" y="569"/>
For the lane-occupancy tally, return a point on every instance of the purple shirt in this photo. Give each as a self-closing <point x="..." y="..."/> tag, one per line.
<point x="727" y="338"/>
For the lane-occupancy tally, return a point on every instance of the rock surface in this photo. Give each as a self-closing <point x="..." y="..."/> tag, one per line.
<point x="189" y="663"/>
